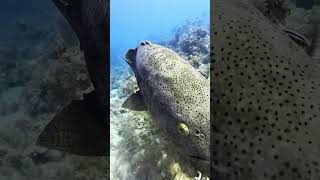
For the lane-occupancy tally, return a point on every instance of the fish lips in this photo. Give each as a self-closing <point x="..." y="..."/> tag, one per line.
<point x="201" y="163"/>
<point x="199" y="158"/>
<point x="130" y="56"/>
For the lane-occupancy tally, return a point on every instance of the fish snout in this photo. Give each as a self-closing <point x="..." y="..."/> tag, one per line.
<point x="143" y="43"/>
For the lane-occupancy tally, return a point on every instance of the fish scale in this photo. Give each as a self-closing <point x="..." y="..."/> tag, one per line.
<point x="265" y="99"/>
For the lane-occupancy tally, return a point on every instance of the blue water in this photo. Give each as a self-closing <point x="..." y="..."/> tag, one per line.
<point x="154" y="20"/>
<point x="33" y="12"/>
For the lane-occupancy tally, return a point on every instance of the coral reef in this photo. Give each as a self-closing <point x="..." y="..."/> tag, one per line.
<point x="192" y="41"/>
<point x="138" y="150"/>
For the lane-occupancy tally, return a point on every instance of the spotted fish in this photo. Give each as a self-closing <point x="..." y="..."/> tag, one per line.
<point x="265" y="99"/>
<point x="176" y="95"/>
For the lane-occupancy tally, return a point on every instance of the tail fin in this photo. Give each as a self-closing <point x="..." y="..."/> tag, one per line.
<point x="80" y="128"/>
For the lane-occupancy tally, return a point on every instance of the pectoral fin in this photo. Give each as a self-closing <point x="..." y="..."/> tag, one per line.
<point x="135" y="102"/>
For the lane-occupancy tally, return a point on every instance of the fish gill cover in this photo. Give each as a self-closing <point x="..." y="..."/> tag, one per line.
<point x="138" y="149"/>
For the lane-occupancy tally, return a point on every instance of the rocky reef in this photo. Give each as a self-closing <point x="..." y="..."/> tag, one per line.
<point x="192" y="42"/>
<point x="138" y="149"/>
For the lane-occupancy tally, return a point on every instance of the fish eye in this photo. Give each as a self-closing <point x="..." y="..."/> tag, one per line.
<point x="183" y="129"/>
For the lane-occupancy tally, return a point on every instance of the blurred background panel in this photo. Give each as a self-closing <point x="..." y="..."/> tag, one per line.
<point x="41" y="70"/>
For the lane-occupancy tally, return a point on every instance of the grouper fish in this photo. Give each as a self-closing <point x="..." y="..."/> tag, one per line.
<point x="176" y="95"/>
<point x="82" y="127"/>
<point x="265" y="100"/>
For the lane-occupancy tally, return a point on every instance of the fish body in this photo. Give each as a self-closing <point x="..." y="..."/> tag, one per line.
<point x="176" y="95"/>
<point x="265" y="99"/>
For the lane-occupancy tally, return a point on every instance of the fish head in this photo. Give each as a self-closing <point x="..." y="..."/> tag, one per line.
<point x="131" y="54"/>
<point x="140" y="59"/>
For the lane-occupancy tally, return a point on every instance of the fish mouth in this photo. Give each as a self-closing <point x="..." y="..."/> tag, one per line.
<point x="199" y="158"/>
<point x="130" y="56"/>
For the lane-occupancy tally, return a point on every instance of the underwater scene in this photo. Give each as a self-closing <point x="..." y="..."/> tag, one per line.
<point x="159" y="70"/>
<point x="42" y="69"/>
<point x="260" y="66"/>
